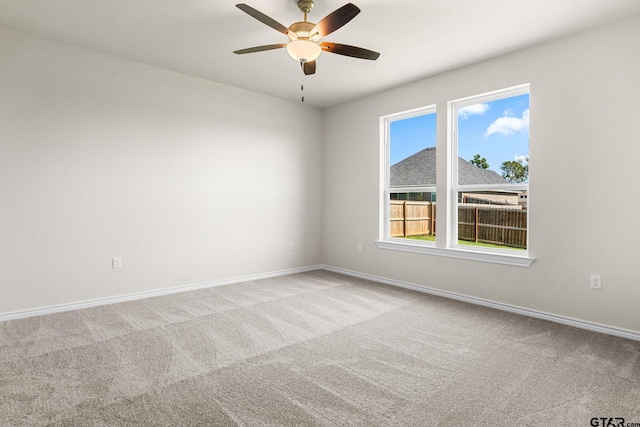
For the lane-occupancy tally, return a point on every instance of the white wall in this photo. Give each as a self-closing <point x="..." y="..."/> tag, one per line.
<point x="187" y="180"/>
<point x="585" y="142"/>
<point x="191" y="181"/>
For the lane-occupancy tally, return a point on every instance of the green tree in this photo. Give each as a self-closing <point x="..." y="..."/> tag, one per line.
<point x="480" y="162"/>
<point x="515" y="171"/>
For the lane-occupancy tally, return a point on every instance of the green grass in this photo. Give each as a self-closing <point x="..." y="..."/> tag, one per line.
<point x="427" y="237"/>
<point x="430" y="238"/>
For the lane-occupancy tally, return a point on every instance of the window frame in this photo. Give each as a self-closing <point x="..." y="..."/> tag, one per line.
<point x="385" y="132"/>
<point x="452" y="163"/>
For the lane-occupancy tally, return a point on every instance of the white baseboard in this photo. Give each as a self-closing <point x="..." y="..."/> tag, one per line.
<point x="140" y="295"/>
<point x="582" y="324"/>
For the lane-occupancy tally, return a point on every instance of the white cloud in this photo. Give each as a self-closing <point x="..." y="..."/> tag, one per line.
<point x="470" y="110"/>
<point x="509" y="124"/>
<point x="522" y="158"/>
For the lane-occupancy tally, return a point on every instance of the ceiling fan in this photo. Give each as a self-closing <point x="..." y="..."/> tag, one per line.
<point x="305" y="37"/>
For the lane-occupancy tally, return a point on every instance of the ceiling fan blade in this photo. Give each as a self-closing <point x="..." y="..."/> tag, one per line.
<point x="260" y="48"/>
<point x="346" y="50"/>
<point x="309" y="68"/>
<point x="263" y="18"/>
<point x="335" y="20"/>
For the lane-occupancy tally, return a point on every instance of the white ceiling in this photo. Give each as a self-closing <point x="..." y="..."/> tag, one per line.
<point x="416" y="39"/>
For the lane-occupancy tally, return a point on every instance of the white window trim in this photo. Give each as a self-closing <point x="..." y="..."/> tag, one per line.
<point x="452" y="153"/>
<point x="449" y="248"/>
<point x="495" y="256"/>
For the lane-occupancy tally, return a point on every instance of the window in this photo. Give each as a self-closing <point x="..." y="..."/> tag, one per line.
<point x="490" y="169"/>
<point x="410" y="175"/>
<point x="483" y="208"/>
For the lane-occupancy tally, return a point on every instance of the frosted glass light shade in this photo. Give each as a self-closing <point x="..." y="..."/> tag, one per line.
<point x="304" y="50"/>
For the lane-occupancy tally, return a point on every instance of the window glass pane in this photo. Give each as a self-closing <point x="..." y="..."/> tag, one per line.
<point x="493" y="149"/>
<point x="493" y="142"/>
<point x="412" y="215"/>
<point x="483" y="222"/>
<point x="412" y="152"/>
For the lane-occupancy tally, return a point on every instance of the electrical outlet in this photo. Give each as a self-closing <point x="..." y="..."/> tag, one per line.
<point x="290" y="246"/>
<point x="116" y="262"/>
<point x="596" y="281"/>
<point x="358" y="247"/>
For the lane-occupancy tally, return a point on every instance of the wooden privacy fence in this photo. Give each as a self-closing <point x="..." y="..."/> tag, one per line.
<point x="498" y="225"/>
<point x="409" y="218"/>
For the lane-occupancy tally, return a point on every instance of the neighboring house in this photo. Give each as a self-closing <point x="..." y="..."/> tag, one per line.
<point x="420" y="169"/>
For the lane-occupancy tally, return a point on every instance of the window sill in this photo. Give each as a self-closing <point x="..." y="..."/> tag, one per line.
<point x="460" y="253"/>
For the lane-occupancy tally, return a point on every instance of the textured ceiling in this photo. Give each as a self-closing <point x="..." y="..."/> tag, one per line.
<point x="416" y="39"/>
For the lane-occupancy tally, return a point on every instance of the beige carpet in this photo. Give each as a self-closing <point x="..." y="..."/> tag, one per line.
<point x="312" y="349"/>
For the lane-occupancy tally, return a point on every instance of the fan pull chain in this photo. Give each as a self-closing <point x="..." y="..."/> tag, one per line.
<point x="302" y="89"/>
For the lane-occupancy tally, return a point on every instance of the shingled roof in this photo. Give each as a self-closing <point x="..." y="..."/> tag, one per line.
<point x="420" y="169"/>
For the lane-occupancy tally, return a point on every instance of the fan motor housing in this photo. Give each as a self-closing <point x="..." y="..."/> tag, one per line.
<point x="301" y="29"/>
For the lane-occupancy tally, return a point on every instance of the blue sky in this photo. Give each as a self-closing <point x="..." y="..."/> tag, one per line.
<point x="410" y="136"/>
<point x="497" y="130"/>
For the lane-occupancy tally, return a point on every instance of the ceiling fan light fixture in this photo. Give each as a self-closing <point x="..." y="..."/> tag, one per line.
<point x="304" y="50"/>
<point x="305" y="37"/>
